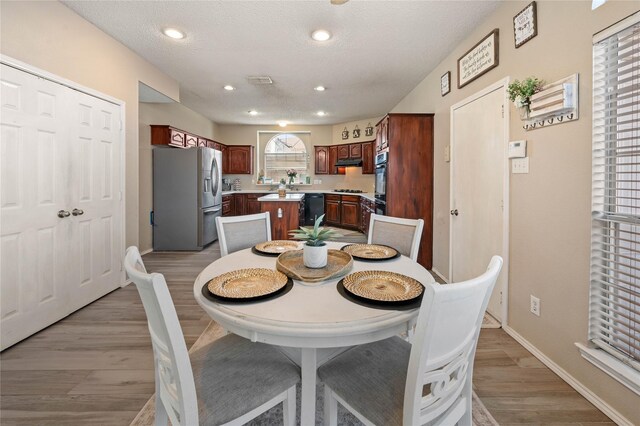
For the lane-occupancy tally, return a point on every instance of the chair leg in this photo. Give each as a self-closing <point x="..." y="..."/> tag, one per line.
<point x="467" y="417"/>
<point x="162" y="418"/>
<point x="330" y="408"/>
<point x="289" y="407"/>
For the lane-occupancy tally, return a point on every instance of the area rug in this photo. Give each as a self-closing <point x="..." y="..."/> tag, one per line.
<point x="481" y="416"/>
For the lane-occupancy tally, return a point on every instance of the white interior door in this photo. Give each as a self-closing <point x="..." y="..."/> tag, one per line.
<point x="478" y="147"/>
<point x="49" y="161"/>
<point x="95" y="198"/>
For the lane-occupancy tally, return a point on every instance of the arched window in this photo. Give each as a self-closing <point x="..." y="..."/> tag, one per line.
<point x="285" y="151"/>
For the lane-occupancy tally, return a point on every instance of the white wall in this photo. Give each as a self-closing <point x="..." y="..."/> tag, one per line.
<point x="550" y="206"/>
<point x="50" y="36"/>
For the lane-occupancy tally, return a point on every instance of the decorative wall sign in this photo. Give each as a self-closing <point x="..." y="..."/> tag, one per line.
<point x="479" y="59"/>
<point x="345" y="134"/>
<point x="445" y="83"/>
<point x="525" y="25"/>
<point x="368" y="131"/>
<point x="356" y="132"/>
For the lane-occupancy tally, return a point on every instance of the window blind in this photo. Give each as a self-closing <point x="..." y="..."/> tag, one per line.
<point x="614" y="317"/>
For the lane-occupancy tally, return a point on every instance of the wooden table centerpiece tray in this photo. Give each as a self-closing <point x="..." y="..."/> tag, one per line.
<point x="291" y="263"/>
<point x="382" y="288"/>
<point x="275" y="248"/>
<point x="247" y="285"/>
<point x="371" y="252"/>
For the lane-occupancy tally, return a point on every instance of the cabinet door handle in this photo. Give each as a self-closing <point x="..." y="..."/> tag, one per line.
<point x="454" y="212"/>
<point x="63" y="213"/>
<point x="76" y="212"/>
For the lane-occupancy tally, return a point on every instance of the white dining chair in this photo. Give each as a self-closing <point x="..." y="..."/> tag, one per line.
<point x="384" y="383"/>
<point x="402" y="234"/>
<point x="241" y="232"/>
<point x="228" y="381"/>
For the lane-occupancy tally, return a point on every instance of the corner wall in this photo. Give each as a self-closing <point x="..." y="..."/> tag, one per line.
<point x="52" y="37"/>
<point x="549" y="207"/>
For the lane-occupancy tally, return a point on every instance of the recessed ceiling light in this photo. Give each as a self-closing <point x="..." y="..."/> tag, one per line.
<point x="321" y="113"/>
<point x="319" y="88"/>
<point x="282" y="123"/>
<point x="229" y="87"/>
<point x="173" y="33"/>
<point x="253" y="112"/>
<point x="321" y="35"/>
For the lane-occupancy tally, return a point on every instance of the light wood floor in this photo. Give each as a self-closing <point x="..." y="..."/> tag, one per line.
<point x="95" y="366"/>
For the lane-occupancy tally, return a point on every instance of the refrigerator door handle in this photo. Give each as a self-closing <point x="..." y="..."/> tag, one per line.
<point x="212" y="209"/>
<point x="214" y="176"/>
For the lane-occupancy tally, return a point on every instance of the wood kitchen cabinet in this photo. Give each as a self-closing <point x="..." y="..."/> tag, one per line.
<point x="253" y="205"/>
<point x="355" y="150"/>
<point x="167" y="135"/>
<point x="332" y="209"/>
<point x="238" y="160"/>
<point x="321" y="159"/>
<point x="366" y="208"/>
<point x="344" y="151"/>
<point x="350" y="211"/>
<point x="409" y="141"/>
<point x="228" y="205"/>
<point x="190" y="140"/>
<point x="333" y="159"/>
<point x="290" y="220"/>
<point x="239" y="204"/>
<point x="368" y="164"/>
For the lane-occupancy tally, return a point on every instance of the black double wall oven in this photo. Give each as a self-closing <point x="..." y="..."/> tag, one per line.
<point x="381" y="182"/>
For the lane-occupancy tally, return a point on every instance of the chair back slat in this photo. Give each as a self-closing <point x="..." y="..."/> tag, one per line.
<point x="174" y="377"/>
<point x="241" y="232"/>
<point x="444" y="345"/>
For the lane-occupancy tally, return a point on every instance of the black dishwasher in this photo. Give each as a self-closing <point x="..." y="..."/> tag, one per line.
<point x="313" y="207"/>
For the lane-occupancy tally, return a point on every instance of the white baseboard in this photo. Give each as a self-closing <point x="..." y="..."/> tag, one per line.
<point x="442" y="277"/>
<point x="146" y="251"/>
<point x="571" y="381"/>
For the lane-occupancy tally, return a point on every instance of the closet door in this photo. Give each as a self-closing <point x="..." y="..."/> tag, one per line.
<point x="34" y="240"/>
<point x="95" y="198"/>
<point x="60" y="202"/>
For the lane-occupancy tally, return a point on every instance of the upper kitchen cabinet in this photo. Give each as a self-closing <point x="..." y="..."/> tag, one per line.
<point x="382" y="135"/>
<point x="409" y="141"/>
<point x="368" y="166"/>
<point x="167" y="135"/>
<point x="321" y="160"/>
<point x="237" y="159"/>
<point x="333" y="159"/>
<point x="344" y="152"/>
<point x="355" y="150"/>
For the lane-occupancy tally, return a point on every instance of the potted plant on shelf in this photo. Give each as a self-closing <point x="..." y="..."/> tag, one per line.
<point x="520" y="92"/>
<point x="315" y="249"/>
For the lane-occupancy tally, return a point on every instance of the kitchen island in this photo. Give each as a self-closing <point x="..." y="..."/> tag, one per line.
<point x="285" y="212"/>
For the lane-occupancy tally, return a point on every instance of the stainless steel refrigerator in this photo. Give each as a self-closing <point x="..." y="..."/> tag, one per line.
<point x="187" y="197"/>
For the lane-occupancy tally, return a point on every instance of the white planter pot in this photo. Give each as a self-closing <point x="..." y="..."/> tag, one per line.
<point x="314" y="256"/>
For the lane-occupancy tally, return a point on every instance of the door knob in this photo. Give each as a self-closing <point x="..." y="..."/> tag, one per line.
<point x="63" y="213"/>
<point x="454" y="212"/>
<point x="76" y="212"/>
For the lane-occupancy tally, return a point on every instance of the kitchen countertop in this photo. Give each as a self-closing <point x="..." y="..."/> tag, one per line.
<point x="288" y="197"/>
<point x="367" y="195"/>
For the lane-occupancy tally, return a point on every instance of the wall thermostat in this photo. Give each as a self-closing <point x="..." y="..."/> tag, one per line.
<point x="518" y="149"/>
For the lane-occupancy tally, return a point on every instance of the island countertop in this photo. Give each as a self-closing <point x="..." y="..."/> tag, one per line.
<point x="287" y="197"/>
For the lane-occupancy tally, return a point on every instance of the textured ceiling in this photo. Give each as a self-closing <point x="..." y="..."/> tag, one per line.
<point x="379" y="52"/>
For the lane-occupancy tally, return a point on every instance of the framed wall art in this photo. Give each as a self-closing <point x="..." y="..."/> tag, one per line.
<point x="478" y="60"/>
<point x="525" y="25"/>
<point x="368" y="131"/>
<point x="345" y="134"/>
<point x="356" y="132"/>
<point x="445" y="83"/>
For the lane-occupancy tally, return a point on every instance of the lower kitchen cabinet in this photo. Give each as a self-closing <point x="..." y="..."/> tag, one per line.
<point x="239" y="204"/>
<point x="332" y="209"/>
<point x="228" y="205"/>
<point x="253" y="205"/>
<point x="289" y="220"/>
<point x="350" y="211"/>
<point x="366" y="208"/>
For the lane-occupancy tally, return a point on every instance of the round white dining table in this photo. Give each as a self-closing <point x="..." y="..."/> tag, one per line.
<point x="312" y="317"/>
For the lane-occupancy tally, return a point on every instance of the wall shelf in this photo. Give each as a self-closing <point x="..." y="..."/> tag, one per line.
<point x="556" y="103"/>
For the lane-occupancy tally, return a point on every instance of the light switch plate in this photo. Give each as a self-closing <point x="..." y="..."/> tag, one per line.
<point x="520" y="165"/>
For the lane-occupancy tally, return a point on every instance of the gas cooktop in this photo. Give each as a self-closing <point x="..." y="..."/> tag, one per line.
<point x="350" y="191"/>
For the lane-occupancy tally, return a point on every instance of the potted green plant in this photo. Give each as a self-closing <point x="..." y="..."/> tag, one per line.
<point x="520" y="92"/>
<point x="315" y="249"/>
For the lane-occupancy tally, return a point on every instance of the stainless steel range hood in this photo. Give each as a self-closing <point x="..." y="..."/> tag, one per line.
<point x="356" y="162"/>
